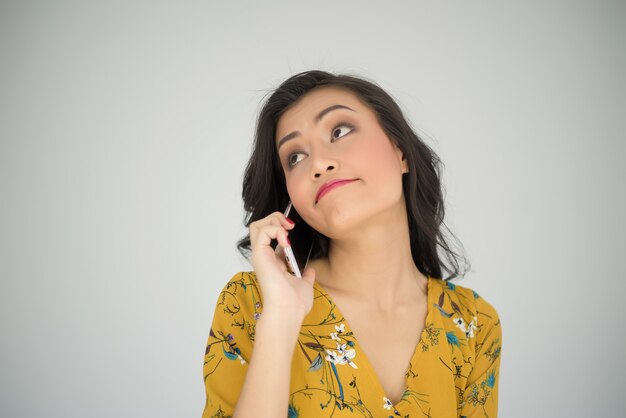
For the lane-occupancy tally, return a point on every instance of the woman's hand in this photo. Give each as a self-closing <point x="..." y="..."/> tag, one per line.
<point x="281" y="290"/>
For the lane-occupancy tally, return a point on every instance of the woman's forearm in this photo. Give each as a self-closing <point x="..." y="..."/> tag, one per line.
<point x="265" y="392"/>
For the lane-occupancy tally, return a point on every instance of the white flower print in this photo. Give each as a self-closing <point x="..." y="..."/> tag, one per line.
<point x="460" y="323"/>
<point x="471" y="328"/>
<point x="344" y="356"/>
<point x="332" y="356"/>
<point x="340" y="329"/>
<point x="388" y="404"/>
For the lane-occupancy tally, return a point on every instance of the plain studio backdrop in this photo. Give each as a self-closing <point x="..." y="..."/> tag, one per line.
<point x="125" y="127"/>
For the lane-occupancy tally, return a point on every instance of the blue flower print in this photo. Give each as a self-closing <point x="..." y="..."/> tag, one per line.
<point x="452" y="338"/>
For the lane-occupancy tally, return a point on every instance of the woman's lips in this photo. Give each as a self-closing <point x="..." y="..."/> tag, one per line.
<point x="331" y="187"/>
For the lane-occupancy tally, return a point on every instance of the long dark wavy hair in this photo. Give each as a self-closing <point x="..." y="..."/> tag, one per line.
<point x="265" y="190"/>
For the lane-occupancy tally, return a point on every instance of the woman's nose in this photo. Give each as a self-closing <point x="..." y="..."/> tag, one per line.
<point x="322" y="162"/>
<point x="318" y="173"/>
<point x="322" y="159"/>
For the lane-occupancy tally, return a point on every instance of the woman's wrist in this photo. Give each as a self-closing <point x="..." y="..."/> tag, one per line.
<point x="289" y="319"/>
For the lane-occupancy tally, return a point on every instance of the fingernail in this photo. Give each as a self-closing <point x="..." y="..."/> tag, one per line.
<point x="290" y="221"/>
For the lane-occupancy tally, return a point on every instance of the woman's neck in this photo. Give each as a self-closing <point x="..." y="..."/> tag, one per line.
<point x="377" y="268"/>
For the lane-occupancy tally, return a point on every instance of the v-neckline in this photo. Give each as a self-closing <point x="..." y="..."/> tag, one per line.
<point x="365" y="360"/>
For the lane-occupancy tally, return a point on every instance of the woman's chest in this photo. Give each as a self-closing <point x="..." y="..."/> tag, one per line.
<point x="387" y="342"/>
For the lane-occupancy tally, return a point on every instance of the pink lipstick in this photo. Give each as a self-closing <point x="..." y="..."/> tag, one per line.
<point x="327" y="187"/>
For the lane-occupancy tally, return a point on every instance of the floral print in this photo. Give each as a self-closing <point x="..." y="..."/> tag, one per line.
<point x="469" y="329"/>
<point x="344" y="356"/>
<point x="453" y="371"/>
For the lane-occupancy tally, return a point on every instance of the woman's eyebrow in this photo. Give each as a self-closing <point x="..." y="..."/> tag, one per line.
<point x="317" y="120"/>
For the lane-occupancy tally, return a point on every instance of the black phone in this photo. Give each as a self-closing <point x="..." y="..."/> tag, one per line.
<point x="301" y="238"/>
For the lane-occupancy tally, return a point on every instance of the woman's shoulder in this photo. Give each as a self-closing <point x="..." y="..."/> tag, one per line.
<point x="465" y="301"/>
<point x="468" y="318"/>
<point x="244" y="293"/>
<point x="241" y="280"/>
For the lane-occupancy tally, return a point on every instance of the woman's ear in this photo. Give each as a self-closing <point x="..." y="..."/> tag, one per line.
<point x="402" y="158"/>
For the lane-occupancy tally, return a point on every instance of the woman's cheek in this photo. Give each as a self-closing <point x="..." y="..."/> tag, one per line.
<point x="295" y="190"/>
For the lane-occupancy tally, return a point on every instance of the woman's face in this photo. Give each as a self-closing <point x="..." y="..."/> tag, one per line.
<point x="346" y="143"/>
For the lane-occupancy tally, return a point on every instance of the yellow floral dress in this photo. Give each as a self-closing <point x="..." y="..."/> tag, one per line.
<point x="453" y="371"/>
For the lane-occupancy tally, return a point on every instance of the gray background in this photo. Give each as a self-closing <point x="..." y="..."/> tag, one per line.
<point x="125" y="127"/>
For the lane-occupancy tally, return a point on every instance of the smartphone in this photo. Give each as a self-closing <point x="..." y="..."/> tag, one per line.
<point x="301" y="238"/>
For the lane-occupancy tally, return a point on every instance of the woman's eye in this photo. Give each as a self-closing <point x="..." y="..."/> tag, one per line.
<point x="290" y="162"/>
<point x="337" y="128"/>
<point x="343" y="124"/>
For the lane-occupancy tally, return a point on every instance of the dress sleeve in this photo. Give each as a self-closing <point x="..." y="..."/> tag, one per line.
<point x="481" y="391"/>
<point x="229" y="346"/>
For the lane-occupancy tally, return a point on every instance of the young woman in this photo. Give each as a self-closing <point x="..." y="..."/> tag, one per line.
<point x="372" y="328"/>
